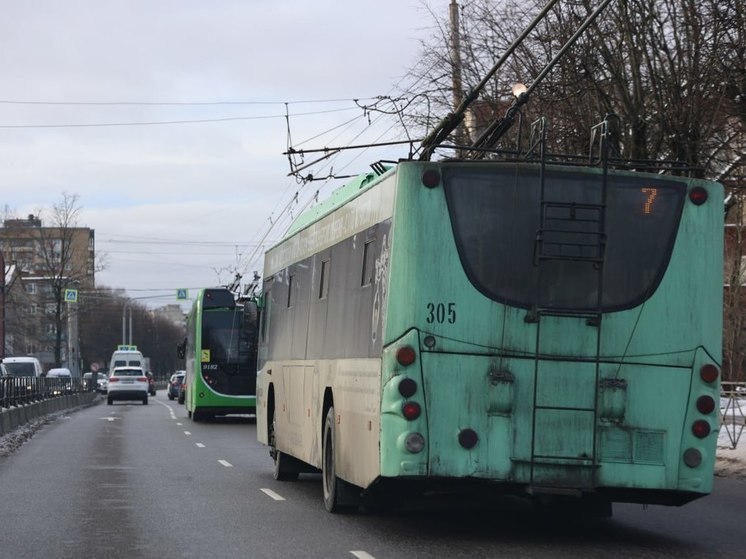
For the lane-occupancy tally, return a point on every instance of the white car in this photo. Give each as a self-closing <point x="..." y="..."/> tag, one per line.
<point x="101" y="382"/>
<point x="127" y="383"/>
<point x="60" y="380"/>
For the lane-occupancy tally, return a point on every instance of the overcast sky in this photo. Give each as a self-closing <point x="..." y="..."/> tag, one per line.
<point x="182" y="205"/>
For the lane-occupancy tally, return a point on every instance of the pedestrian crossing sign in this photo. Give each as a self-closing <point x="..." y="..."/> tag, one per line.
<point x="182" y="294"/>
<point x="71" y="295"/>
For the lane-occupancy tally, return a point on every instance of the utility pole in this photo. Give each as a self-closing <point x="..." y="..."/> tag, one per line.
<point x="2" y="306"/>
<point x="455" y="48"/>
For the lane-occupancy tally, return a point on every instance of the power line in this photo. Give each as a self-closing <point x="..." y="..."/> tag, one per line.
<point x="170" y="122"/>
<point x="150" y="241"/>
<point x="176" y="103"/>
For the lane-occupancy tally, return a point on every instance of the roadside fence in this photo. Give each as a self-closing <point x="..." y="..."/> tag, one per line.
<point x="20" y="391"/>
<point x="733" y="410"/>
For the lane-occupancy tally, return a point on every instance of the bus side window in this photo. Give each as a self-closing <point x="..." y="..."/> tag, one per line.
<point x="369" y="262"/>
<point x="324" y="279"/>
<point x="264" y="318"/>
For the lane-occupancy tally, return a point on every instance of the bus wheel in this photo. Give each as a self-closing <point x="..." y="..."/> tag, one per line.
<point x="283" y="463"/>
<point x="281" y="471"/>
<point x="338" y="494"/>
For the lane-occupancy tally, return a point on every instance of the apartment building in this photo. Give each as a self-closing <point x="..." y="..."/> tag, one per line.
<point x="47" y="261"/>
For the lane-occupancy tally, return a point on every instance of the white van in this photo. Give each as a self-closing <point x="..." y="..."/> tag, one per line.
<point x="60" y="372"/>
<point x="21" y="367"/>
<point x="126" y="358"/>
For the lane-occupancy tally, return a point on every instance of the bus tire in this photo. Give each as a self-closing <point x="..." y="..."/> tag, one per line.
<point x="328" y="466"/>
<point x="338" y="494"/>
<point x="283" y="470"/>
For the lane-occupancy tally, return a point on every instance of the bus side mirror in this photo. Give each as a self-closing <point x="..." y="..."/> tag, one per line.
<point x="181" y="349"/>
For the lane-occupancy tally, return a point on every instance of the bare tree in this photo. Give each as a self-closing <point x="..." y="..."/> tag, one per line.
<point x="671" y="70"/>
<point x="62" y="263"/>
<point x="101" y="315"/>
<point x="734" y="327"/>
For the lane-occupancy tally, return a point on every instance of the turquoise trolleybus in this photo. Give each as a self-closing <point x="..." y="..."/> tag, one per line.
<point x="521" y="327"/>
<point x="220" y="356"/>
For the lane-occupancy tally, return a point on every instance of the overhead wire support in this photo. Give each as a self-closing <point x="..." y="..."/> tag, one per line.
<point x="328" y="152"/>
<point x="357" y="146"/>
<point x="297" y="169"/>
<point x="452" y="120"/>
<point x="495" y="131"/>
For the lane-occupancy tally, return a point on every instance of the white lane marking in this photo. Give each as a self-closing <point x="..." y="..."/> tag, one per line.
<point x="109" y="418"/>
<point x="200" y="445"/>
<point x="272" y="494"/>
<point x="179" y="424"/>
<point x="362" y="555"/>
<point x="187" y="433"/>
<point x="226" y="463"/>
<point x="169" y="408"/>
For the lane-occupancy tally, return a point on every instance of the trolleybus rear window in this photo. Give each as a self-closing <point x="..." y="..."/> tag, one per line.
<point x="503" y="241"/>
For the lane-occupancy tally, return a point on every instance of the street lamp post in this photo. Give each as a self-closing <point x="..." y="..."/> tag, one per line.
<point x="124" y="322"/>
<point x="73" y="344"/>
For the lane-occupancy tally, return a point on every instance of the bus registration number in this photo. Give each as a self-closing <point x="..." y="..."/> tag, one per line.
<point x="441" y="313"/>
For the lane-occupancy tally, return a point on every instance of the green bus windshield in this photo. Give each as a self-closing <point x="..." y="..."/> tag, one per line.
<point x="226" y="350"/>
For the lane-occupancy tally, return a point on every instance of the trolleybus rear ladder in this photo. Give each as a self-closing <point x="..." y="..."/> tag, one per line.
<point x="570" y="232"/>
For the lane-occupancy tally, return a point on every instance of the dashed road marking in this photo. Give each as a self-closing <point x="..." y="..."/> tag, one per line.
<point x="362" y="555"/>
<point x="272" y="494"/>
<point x="187" y="433"/>
<point x="200" y="445"/>
<point x="169" y="408"/>
<point x="226" y="463"/>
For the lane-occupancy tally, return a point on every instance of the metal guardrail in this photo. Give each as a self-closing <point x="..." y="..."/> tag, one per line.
<point x="733" y="414"/>
<point x="18" y="391"/>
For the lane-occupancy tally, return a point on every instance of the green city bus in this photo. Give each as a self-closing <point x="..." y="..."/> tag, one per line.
<point x="533" y="328"/>
<point x="220" y="353"/>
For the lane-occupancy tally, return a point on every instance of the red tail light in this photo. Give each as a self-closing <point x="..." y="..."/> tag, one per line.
<point x="709" y="373"/>
<point x="113" y="379"/>
<point x="411" y="410"/>
<point x="142" y="379"/>
<point x="431" y="178"/>
<point x="405" y="355"/>
<point x="701" y="428"/>
<point x="698" y="195"/>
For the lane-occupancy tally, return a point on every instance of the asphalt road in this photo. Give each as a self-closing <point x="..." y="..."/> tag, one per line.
<point x="130" y="481"/>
